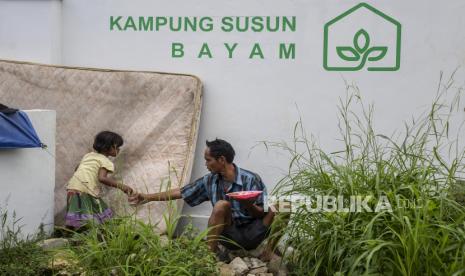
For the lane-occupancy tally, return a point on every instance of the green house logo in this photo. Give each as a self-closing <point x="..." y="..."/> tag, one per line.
<point x="362" y="37"/>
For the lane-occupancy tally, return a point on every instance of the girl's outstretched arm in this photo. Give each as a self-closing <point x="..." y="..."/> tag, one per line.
<point x="104" y="179"/>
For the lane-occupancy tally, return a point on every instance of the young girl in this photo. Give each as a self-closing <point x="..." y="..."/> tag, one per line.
<point x="83" y="190"/>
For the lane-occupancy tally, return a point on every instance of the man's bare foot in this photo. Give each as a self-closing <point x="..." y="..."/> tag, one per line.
<point x="222" y="254"/>
<point x="267" y="255"/>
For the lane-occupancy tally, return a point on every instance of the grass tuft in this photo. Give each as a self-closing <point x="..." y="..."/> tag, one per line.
<point x="20" y="255"/>
<point x="419" y="170"/>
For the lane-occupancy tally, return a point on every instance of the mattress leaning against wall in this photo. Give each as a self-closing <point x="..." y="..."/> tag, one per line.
<point x="156" y="113"/>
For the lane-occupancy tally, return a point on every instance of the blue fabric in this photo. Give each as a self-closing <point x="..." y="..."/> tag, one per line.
<point x="210" y="187"/>
<point x="16" y="131"/>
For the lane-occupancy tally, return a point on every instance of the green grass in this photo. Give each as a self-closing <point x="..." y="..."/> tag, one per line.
<point x="423" y="164"/>
<point x="121" y="246"/>
<point x="20" y="255"/>
<point x="127" y="246"/>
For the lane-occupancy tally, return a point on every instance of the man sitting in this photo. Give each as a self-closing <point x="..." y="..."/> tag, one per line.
<point x="243" y="221"/>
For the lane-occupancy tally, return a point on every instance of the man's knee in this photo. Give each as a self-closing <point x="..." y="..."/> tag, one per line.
<point x="221" y="207"/>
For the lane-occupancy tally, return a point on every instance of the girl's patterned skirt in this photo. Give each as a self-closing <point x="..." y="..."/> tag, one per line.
<point x="83" y="208"/>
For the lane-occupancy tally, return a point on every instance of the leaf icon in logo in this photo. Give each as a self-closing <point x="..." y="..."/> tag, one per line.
<point x="361" y="41"/>
<point x="347" y="53"/>
<point x="361" y="52"/>
<point x="376" y="53"/>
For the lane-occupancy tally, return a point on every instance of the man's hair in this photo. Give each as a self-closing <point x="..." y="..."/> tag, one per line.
<point x="105" y="140"/>
<point x="220" y="148"/>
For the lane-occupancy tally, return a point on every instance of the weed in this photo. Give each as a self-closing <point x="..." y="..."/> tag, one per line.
<point x="422" y="167"/>
<point x="19" y="255"/>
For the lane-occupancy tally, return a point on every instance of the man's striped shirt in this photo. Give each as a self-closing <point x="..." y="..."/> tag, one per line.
<point x="213" y="187"/>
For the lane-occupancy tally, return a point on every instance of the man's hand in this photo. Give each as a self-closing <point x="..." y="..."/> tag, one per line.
<point x="254" y="210"/>
<point x="136" y="199"/>
<point x="245" y="203"/>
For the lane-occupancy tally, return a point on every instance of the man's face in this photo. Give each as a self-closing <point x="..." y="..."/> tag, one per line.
<point x="212" y="164"/>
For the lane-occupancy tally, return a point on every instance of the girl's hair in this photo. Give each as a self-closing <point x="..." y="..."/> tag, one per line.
<point x="105" y="140"/>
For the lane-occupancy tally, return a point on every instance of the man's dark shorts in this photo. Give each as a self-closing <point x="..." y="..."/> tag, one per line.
<point x="248" y="235"/>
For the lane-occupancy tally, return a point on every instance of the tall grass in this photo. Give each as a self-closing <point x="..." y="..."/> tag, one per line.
<point x="419" y="170"/>
<point x="20" y="255"/>
<point x="127" y="246"/>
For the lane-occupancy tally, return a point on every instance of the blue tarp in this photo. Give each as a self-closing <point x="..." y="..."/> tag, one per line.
<point x="16" y="131"/>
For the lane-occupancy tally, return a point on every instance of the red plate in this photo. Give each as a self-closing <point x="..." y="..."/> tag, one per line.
<point x="244" y="194"/>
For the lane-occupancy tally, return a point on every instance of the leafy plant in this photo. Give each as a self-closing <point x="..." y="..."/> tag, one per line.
<point x="19" y="255"/>
<point x="126" y="246"/>
<point x="422" y="167"/>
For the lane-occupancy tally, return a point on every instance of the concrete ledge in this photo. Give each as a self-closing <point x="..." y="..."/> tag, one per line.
<point x="199" y="222"/>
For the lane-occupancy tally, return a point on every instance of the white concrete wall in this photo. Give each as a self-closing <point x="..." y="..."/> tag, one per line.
<point x="30" y="30"/>
<point x="246" y="100"/>
<point x="28" y="177"/>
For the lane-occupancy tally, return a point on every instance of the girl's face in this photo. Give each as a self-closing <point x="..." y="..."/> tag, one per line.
<point x="113" y="151"/>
